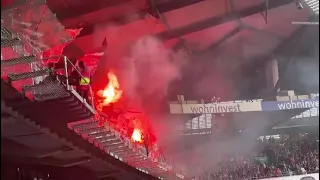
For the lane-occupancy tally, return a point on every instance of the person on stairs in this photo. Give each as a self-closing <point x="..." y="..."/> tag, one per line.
<point x="84" y="84"/>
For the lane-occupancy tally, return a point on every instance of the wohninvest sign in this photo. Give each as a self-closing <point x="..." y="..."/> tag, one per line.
<point x="212" y="108"/>
<point x="293" y="104"/>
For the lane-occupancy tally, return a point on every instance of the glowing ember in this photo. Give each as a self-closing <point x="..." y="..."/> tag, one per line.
<point x="136" y="135"/>
<point x="112" y="91"/>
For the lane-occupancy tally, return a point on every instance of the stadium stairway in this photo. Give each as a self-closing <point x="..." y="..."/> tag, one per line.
<point x="50" y="106"/>
<point x="50" y="99"/>
<point x="58" y="108"/>
<point x="46" y="106"/>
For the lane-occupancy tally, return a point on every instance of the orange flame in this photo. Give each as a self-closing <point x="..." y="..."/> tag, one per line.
<point x="112" y="92"/>
<point x="137" y="135"/>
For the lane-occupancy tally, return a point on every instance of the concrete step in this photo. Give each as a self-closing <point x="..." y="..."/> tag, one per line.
<point x="5" y="33"/>
<point x="26" y="75"/>
<point x="19" y="60"/>
<point x="10" y="42"/>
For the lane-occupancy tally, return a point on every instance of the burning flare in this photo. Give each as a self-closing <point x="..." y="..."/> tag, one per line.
<point x="112" y="92"/>
<point x="137" y="135"/>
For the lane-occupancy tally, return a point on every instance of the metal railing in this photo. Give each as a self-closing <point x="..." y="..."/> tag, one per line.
<point x="54" y="83"/>
<point x="62" y="77"/>
<point x="69" y="87"/>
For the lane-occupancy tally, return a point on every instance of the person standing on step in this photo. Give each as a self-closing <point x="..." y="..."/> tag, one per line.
<point x="84" y="84"/>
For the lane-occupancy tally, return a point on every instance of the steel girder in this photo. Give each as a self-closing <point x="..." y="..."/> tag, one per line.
<point x="87" y="8"/>
<point x="201" y="25"/>
<point x="215" y="21"/>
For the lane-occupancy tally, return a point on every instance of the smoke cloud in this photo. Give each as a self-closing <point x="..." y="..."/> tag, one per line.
<point x="149" y="69"/>
<point x="233" y="135"/>
<point x="146" y="68"/>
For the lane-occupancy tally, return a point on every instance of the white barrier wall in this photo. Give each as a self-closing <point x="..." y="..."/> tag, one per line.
<point x="314" y="176"/>
<point x="194" y="107"/>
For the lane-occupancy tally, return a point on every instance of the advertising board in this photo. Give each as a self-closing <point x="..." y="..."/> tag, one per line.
<point x="287" y="105"/>
<point x="212" y="108"/>
<point x="243" y="106"/>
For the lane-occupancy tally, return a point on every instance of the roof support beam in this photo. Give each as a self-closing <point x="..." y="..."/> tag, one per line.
<point x="201" y="25"/>
<point x="221" y="40"/>
<point x="63" y="14"/>
<point x="215" y="21"/>
<point x="85" y="8"/>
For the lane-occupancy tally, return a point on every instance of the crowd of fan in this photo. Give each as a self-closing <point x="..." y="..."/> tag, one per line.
<point x="284" y="157"/>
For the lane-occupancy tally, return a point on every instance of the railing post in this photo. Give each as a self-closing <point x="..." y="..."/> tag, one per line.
<point x="66" y="70"/>
<point x="92" y="99"/>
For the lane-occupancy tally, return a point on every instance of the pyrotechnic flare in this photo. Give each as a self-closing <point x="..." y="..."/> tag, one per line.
<point x="137" y="135"/>
<point x="112" y="92"/>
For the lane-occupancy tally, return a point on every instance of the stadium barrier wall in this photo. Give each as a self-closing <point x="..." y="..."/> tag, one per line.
<point x="314" y="176"/>
<point x="188" y="107"/>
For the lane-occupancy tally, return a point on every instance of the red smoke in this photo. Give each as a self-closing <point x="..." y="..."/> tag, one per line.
<point x="134" y="122"/>
<point x="144" y="72"/>
<point x="57" y="51"/>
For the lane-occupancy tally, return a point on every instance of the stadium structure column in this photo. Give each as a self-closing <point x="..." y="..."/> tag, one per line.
<point x="272" y="73"/>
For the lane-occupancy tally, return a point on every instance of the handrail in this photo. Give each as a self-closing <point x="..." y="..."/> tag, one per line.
<point x="51" y="57"/>
<point x="66" y="71"/>
<point x="92" y="98"/>
<point x="66" y="61"/>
